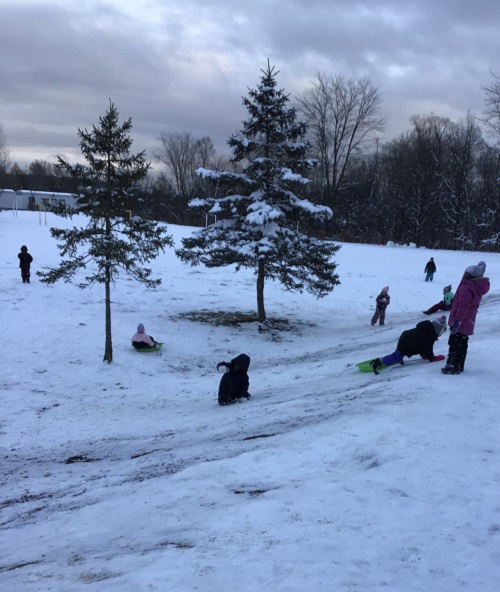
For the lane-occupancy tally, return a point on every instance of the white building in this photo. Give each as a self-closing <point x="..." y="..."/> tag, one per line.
<point x="31" y="200"/>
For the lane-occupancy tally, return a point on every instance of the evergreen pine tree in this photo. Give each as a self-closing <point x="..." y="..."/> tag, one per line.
<point x="259" y="215"/>
<point x="112" y="239"/>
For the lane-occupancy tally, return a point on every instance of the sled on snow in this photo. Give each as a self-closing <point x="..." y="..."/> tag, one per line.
<point x="145" y="350"/>
<point x="365" y="366"/>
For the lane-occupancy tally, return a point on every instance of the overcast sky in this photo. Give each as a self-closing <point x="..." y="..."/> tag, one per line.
<point x="184" y="65"/>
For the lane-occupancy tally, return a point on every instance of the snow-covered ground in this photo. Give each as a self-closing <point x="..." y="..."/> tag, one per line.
<point x="130" y="477"/>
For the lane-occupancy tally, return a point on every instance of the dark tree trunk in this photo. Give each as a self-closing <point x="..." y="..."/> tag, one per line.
<point x="108" y="350"/>
<point x="261" y="311"/>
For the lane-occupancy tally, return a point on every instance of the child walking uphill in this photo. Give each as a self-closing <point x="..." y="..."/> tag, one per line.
<point x="234" y="384"/>
<point x="419" y="341"/>
<point x="25" y="261"/>
<point x="472" y="288"/>
<point x="383" y="300"/>
<point x="430" y="270"/>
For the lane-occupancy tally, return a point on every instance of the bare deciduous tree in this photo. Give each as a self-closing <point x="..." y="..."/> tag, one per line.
<point x="342" y="118"/>
<point x="463" y="143"/>
<point x="4" y="156"/>
<point x="182" y="155"/>
<point x="492" y="107"/>
<point x="43" y="177"/>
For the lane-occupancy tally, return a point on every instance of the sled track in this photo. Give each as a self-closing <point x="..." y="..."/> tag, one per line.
<point x="138" y="461"/>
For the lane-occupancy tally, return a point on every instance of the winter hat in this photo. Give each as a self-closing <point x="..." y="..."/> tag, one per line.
<point x="242" y="360"/>
<point x="140" y="328"/>
<point x="482" y="266"/>
<point x="439" y="325"/>
<point x="447" y="288"/>
<point x="386" y="289"/>
<point x="24" y="248"/>
<point x="475" y="271"/>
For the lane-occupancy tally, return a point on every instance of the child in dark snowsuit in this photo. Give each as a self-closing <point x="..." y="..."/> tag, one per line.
<point x="419" y="341"/>
<point x="383" y="300"/>
<point x="25" y="260"/>
<point x="444" y="304"/>
<point x="463" y="316"/>
<point x="430" y="270"/>
<point x="234" y="384"/>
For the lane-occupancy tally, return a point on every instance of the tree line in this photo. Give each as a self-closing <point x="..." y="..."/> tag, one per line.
<point x="436" y="185"/>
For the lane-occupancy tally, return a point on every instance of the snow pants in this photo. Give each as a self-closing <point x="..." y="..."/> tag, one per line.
<point x="379" y="314"/>
<point x="429" y="276"/>
<point x="439" y="306"/>
<point x="458" y="345"/>
<point x="395" y="358"/>
<point x="25" y="273"/>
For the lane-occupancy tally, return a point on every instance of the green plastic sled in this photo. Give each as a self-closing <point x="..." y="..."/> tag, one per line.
<point x="143" y="350"/>
<point x="365" y="366"/>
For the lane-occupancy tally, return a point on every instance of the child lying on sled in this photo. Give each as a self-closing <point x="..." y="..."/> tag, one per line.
<point x="419" y="341"/>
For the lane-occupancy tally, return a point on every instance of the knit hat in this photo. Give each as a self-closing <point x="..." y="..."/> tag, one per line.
<point x="242" y="360"/>
<point x="140" y="328"/>
<point x="482" y="266"/>
<point x="475" y="271"/>
<point x="386" y="289"/>
<point x="447" y="288"/>
<point x="439" y="325"/>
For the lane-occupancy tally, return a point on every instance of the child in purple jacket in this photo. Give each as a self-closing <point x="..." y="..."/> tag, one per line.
<point x="383" y="300"/>
<point x="463" y="316"/>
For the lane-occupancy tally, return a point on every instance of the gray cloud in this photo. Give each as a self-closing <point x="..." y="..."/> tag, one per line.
<point x="186" y="65"/>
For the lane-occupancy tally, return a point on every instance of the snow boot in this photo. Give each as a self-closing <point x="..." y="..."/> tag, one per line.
<point x="375" y="364"/>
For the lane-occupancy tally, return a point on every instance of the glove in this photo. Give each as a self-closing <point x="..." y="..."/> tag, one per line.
<point x="437" y="358"/>
<point x="220" y="364"/>
<point x="454" y="327"/>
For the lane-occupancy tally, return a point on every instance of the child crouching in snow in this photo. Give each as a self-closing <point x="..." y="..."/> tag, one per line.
<point x="419" y="341"/>
<point x="383" y="300"/>
<point x="234" y="384"/>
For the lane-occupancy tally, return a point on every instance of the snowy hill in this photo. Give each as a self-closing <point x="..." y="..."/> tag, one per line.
<point x="130" y="476"/>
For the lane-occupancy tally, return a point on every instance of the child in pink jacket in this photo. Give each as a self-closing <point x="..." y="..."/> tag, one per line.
<point x="141" y="339"/>
<point x="463" y="316"/>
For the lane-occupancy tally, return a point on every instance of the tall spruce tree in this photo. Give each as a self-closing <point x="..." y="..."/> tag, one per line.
<point x="259" y="215"/>
<point x="113" y="240"/>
